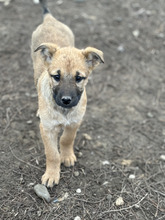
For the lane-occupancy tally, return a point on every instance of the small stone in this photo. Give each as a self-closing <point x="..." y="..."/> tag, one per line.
<point x="99" y="144"/>
<point x="7" y="2"/>
<point x="160" y="35"/>
<point x="109" y="197"/>
<point x="27" y="94"/>
<point x="78" y="191"/>
<point x="136" y="206"/>
<point x="131" y="176"/>
<point x="105" y="162"/>
<point x="36" y="1"/>
<point x="65" y="196"/>
<point x="79" y="154"/>
<point x="136" y="33"/>
<point x="77" y="218"/>
<point x="119" y="201"/>
<point x="31" y="184"/>
<point x="120" y="48"/>
<point x="34" y="95"/>
<point x="118" y="19"/>
<point x="150" y="115"/>
<point x="105" y="183"/>
<point x="29" y="122"/>
<point x="6" y="97"/>
<point x="149" y="13"/>
<point x="162" y="157"/>
<point x="22" y="181"/>
<point x="87" y="137"/>
<point x="163" y="132"/>
<point x="59" y="2"/>
<point x="42" y="192"/>
<point x="76" y="173"/>
<point x="141" y="11"/>
<point x="37" y="162"/>
<point x="39" y="213"/>
<point x="126" y="162"/>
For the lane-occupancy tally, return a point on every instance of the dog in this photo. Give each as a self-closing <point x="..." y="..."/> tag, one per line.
<point x="61" y="73"/>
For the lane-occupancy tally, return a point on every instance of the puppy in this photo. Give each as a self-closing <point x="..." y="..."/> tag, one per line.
<point x="61" y="73"/>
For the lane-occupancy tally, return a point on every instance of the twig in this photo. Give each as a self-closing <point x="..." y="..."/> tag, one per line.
<point x="8" y="119"/>
<point x="126" y="208"/>
<point x="23" y="160"/>
<point x="162" y="194"/>
<point x="162" y="217"/>
<point x="157" y="207"/>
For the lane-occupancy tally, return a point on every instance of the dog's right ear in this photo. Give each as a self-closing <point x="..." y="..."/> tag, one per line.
<point x="47" y="51"/>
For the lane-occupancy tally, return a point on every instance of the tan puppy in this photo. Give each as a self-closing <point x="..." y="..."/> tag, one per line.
<point x="61" y="73"/>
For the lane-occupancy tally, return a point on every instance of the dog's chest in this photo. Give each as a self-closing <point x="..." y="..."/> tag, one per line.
<point x="52" y="119"/>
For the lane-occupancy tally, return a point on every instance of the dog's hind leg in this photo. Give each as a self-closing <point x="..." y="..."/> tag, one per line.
<point x="67" y="155"/>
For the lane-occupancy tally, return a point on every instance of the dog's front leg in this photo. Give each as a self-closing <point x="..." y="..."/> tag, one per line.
<point x="52" y="173"/>
<point x="66" y="145"/>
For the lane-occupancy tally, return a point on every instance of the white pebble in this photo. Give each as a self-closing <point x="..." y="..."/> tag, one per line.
<point x="131" y="176"/>
<point x="59" y="2"/>
<point x="29" y="122"/>
<point x="137" y="206"/>
<point x="76" y="173"/>
<point x="163" y="132"/>
<point x="31" y="184"/>
<point x="79" y="154"/>
<point x="162" y="157"/>
<point x="105" y="162"/>
<point x="120" y="48"/>
<point x="119" y="201"/>
<point x="150" y="115"/>
<point x="77" y="218"/>
<point x="141" y="11"/>
<point x="136" y="33"/>
<point x="36" y="1"/>
<point x="105" y="183"/>
<point x="78" y="191"/>
<point x="87" y="137"/>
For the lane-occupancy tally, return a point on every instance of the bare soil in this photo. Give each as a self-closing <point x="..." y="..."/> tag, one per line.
<point x="125" y="116"/>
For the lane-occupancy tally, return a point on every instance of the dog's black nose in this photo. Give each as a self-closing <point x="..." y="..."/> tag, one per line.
<point x="66" y="100"/>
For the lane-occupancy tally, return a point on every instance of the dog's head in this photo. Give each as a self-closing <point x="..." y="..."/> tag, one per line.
<point x="69" y="69"/>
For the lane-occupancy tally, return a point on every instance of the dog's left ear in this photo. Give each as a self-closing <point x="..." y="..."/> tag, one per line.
<point x="93" y="57"/>
<point x="47" y="51"/>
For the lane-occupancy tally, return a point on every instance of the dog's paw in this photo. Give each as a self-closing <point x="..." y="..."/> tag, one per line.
<point x="50" y="178"/>
<point x="68" y="160"/>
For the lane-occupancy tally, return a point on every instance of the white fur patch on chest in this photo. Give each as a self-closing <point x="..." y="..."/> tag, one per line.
<point x="52" y="118"/>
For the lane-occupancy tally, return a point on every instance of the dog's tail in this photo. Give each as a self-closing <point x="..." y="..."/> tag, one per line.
<point x="44" y="6"/>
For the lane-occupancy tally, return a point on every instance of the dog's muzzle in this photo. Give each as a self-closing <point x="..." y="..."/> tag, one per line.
<point x="67" y="100"/>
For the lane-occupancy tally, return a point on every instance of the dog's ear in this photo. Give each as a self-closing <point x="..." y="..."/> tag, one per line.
<point x="47" y="51"/>
<point x="93" y="57"/>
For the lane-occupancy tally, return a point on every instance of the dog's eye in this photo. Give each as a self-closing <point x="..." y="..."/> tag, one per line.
<point x="56" y="77"/>
<point x="79" y="78"/>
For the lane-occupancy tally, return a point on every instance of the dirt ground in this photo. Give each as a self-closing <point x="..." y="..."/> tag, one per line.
<point x="125" y="117"/>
